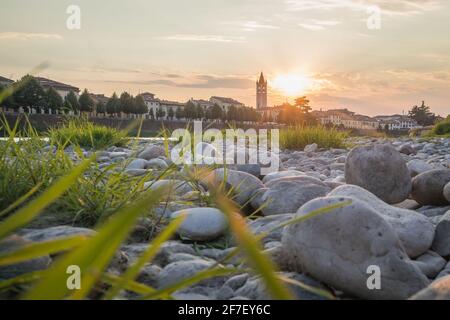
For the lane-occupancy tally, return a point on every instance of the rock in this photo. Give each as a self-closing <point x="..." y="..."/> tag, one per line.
<point x="13" y="243"/>
<point x="282" y="174"/>
<point x="445" y="272"/>
<point x="301" y="179"/>
<point x="137" y="164"/>
<point x="152" y="152"/>
<point x="253" y="169"/>
<point x="430" y="264"/>
<point x="415" y="231"/>
<point x="446" y="192"/>
<point x="407" y="204"/>
<point x="202" y="224"/>
<point x="441" y="243"/>
<point x="428" y="187"/>
<point x="118" y="155"/>
<point x="432" y="211"/>
<point x="438" y="290"/>
<point x="242" y="183"/>
<point x="379" y="169"/>
<point x="38" y="235"/>
<point x="266" y="224"/>
<point x="286" y="196"/>
<point x="174" y="187"/>
<point x="407" y="149"/>
<point x="256" y="198"/>
<point x="168" y="248"/>
<point x="149" y="275"/>
<point x="156" y="164"/>
<point x="255" y="288"/>
<point x="136" y="172"/>
<point x="338" y="247"/>
<point x="417" y="166"/>
<point x="311" y="147"/>
<point x="178" y="271"/>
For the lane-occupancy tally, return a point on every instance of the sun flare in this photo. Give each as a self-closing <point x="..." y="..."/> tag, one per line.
<point x="291" y="84"/>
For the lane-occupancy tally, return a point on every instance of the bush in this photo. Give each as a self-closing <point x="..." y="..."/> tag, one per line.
<point x="442" y="128"/>
<point x="86" y="134"/>
<point x="299" y="137"/>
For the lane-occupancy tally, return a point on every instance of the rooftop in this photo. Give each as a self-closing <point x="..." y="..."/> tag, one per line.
<point x="226" y="100"/>
<point x="48" y="83"/>
<point x="5" y="80"/>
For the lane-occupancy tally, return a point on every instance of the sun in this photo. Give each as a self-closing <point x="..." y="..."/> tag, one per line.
<point x="291" y="84"/>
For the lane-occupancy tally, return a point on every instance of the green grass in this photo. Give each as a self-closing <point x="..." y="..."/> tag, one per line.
<point x="297" y="138"/>
<point x="87" y="135"/>
<point x="442" y="128"/>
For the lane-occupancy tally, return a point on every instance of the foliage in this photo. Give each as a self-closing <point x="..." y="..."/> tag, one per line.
<point x="422" y="115"/>
<point x="29" y="93"/>
<point x="442" y="128"/>
<point x="298" y="137"/>
<point x="113" y="105"/>
<point x="53" y="100"/>
<point x="86" y="102"/>
<point x="73" y="100"/>
<point x="85" y="134"/>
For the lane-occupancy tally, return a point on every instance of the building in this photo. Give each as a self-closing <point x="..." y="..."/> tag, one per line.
<point x="160" y="108"/>
<point x="5" y="81"/>
<point x="346" y="118"/>
<point x="397" y="122"/>
<point x="225" y="103"/>
<point x="261" y="93"/>
<point x="205" y="104"/>
<point x="62" y="88"/>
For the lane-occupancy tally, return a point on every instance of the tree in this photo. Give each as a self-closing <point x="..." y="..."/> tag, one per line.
<point x="29" y="93"/>
<point x="303" y="104"/>
<point x="422" y="115"/>
<point x="179" y="114"/>
<point x="8" y="99"/>
<point x="190" y="110"/>
<point x="216" y="112"/>
<point x="53" y="100"/>
<point x="73" y="100"/>
<point x="160" y="113"/>
<point x="67" y="106"/>
<point x="126" y="103"/>
<point x="151" y="113"/>
<point x="139" y="105"/>
<point x="112" y="104"/>
<point x="171" y="114"/>
<point x="86" y="102"/>
<point x="200" y="113"/>
<point x="100" y="108"/>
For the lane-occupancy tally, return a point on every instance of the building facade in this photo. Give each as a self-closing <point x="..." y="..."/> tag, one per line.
<point x="225" y="103"/>
<point x="261" y="93"/>
<point x="62" y="88"/>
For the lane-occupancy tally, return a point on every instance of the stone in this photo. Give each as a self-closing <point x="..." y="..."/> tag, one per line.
<point x="256" y="198"/>
<point x="338" y="248"/>
<point x="148" y="275"/>
<point x="174" y="187"/>
<point x="282" y="174"/>
<point x="311" y="147"/>
<point x="136" y="172"/>
<point x="202" y="224"/>
<point x="287" y="196"/>
<point x="417" y="166"/>
<point x="156" y="164"/>
<point x="446" y="192"/>
<point x="408" y="204"/>
<point x="430" y="264"/>
<point x="432" y="211"/>
<point x="152" y="152"/>
<point x="52" y="233"/>
<point x="415" y="231"/>
<point x="407" y="149"/>
<point x="13" y="243"/>
<point x="379" y="169"/>
<point x="266" y="224"/>
<point x="137" y="164"/>
<point x="181" y="270"/>
<point x="445" y="272"/>
<point x="438" y="290"/>
<point x="441" y="243"/>
<point x="243" y="184"/>
<point x="255" y="288"/>
<point x="428" y="187"/>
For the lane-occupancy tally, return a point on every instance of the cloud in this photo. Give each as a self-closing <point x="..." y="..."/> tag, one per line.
<point x="204" y="38"/>
<point x="252" y="25"/>
<point x="28" y="36"/>
<point x="201" y="81"/>
<point x="403" y="7"/>
<point x="316" y="25"/>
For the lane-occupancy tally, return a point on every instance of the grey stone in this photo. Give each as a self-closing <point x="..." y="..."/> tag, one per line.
<point x="415" y="231"/>
<point x="13" y="243"/>
<point x="137" y="164"/>
<point x="446" y="192"/>
<point x="202" y="224"/>
<point x="338" y="247"/>
<point x="407" y="149"/>
<point x="287" y="196"/>
<point x="430" y="264"/>
<point x="156" y="164"/>
<point x="181" y="270"/>
<point x="311" y="147"/>
<point x="381" y="170"/>
<point x="255" y="288"/>
<point x="445" y="271"/>
<point x="38" y="235"/>
<point x="282" y="174"/>
<point x="149" y="275"/>
<point x="152" y="152"/>
<point x="428" y="187"/>
<point x="173" y="187"/>
<point x="441" y="243"/>
<point x="266" y="224"/>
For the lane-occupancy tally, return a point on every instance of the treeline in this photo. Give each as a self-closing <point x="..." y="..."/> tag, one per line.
<point x="298" y="113"/>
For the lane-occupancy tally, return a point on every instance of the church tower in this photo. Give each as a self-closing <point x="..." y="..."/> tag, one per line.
<point x="261" y="92"/>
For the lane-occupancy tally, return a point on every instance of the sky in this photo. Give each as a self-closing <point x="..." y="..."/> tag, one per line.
<point x="178" y="49"/>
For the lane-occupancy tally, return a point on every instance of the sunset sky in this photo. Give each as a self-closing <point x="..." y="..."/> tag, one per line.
<point x="180" y="49"/>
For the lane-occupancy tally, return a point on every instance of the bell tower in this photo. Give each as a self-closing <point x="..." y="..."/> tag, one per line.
<point x="261" y="92"/>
